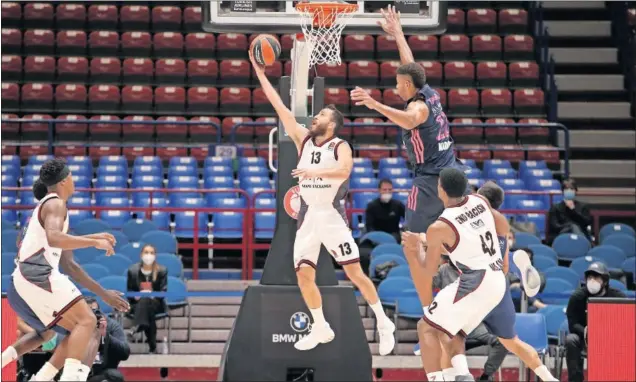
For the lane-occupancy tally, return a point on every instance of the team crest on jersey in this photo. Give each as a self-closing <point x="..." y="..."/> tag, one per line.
<point x="291" y="202"/>
<point x="331" y="146"/>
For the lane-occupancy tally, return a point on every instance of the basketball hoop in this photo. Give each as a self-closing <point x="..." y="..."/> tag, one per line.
<point x="322" y="24"/>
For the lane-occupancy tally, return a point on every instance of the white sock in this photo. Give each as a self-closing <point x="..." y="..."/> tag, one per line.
<point x="449" y="374"/>
<point x="379" y="312"/>
<point x="460" y="364"/>
<point x="319" y="317"/>
<point x="435" y="376"/>
<point x="543" y="373"/>
<point x="9" y="356"/>
<point x="74" y="370"/>
<point x="46" y="373"/>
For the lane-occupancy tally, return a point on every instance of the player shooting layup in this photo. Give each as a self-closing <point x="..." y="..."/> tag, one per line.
<point x="324" y="166"/>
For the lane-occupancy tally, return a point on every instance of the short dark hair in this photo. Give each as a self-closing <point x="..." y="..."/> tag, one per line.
<point x="51" y="170"/>
<point x="454" y="182"/>
<point x="570" y="183"/>
<point x="39" y="189"/>
<point x="493" y="193"/>
<point x="336" y="117"/>
<point x="385" y="181"/>
<point x="415" y="71"/>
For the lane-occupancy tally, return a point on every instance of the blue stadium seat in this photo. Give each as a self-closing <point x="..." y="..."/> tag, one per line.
<point x="580" y="265"/>
<point x="496" y="163"/>
<point x="511" y="184"/>
<point x="8" y="262"/>
<point x="539" y="222"/>
<point x="213" y="182"/>
<point x="180" y="202"/>
<point x="182" y="171"/>
<point x="217" y="161"/>
<point x="144" y="200"/>
<point x="218" y="171"/>
<point x="81" y="170"/>
<point x="80" y="160"/>
<point x="547" y="185"/>
<point x="556" y="286"/>
<point x="569" y="246"/>
<point x="409" y="305"/>
<point x="183" y="161"/>
<point x="114" y="202"/>
<point x="364" y="183"/>
<point x="135" y="228"/>
<point x="233" y="202"/>
<point x="147" y="170"/>
<point x="28" y="199"/>
<point x="113" y="160"/>
<point x="184" y="224"/>
<point x="77" y="217"/>
<point x="255" y="181"/>
<point x="115" y="218"/>
<point x="39" y="159"/>
<point x="6" y="281"/>
<point x="182" y="182"/>
<point x="8" y="216"/>
<point x="391" y="288"/>
<point x="264" y="203"/>
<point x="543" y="250"/>
<point x="28" y="180"/>
<point x="253" y="171"/>
<point x="82" y="181"/>
<point x="148" y="160"/>
<point x="400" y="271"/>
<point x="9" y="239"/>
<point x="151" y="181"/>
<point x="13" y="160"/>
<point x="115" y="181"/>
<point x="9" y="181"/>
<point x="617" y="285"/>
<point x="526" y="165"/>
<point x="362" y="162"/>
<point x="385" y="163"/>
<point x="565" y="274"/>
<point x="178" y="289"/>
<point x="228" y="225"/>
<point x="116" y="264"/>
<point x="476" y="182"/>
<point x="531" y="175"/>
<point x="96" y="271"/>
<point x="92" y="226"/>
<point x="264" y="224"/>
<point x="532" y="329"/>
<point x="402" y="183"/>
<point x="11" y="170"/>
<point x="161" y="219"/>
<point x="172" y="262"/>
<point x="87" y="255"/>
<point x="251" y="161"/>
<point x="357" y="224"/>
<point x="25" y="215"/>
<point x="394" y="172"/>
<point x="163" y="242"/>
<point x="629" y="266"/>
<point x="473" y="173"/>
<point x="378" y="237"/>
<point x="387" y="249"/>
<point x="469" y="162"/>
<point x="612" y="256"/>
<point x="362" y="172"/>
<point x="625" y="242"/>
<point x="500" y="173"/>
<point x="120" y="238"/>
<point x="525" y="240"/>
<point x="361" y="199"/>
<point x="401" y="196"/>
<point x="132" y="251"/>
<point x="615" y="228"/>
<point x="31" y="169"/>
<point x="511" y="200"/>
<point x="543" y="262"/>
<point x="554" y="319"/>
<point x="112" y="170"/>
<point x="260" y="192"/>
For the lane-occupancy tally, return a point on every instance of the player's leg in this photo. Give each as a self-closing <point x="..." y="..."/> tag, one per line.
<point x="529" y="356"/>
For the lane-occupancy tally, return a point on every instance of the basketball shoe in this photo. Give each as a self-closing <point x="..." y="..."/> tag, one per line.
<point x="318" y="334"/>
<point x="387" y="338"/>
<point x="529" y="275"/>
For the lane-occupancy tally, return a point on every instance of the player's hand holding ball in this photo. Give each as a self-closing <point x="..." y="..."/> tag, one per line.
<point x="362" y="97"/>
<point x="264" y="51"/>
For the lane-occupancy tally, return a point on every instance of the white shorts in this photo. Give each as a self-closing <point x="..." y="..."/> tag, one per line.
<point x="461" y="306"/>
<point x="323" y="225"/>
<point x="48" y="306"/>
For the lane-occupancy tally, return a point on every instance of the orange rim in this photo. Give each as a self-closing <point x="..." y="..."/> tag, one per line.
<point x="325" y="13"/>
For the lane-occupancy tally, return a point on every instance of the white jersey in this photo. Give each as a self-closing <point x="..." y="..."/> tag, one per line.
<point x="476" y="244"/>
<point x="319" y="191"/>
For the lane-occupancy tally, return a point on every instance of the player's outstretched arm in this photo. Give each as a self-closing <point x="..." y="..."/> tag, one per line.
<point x="414" y="115"/>
<point x="72" y="269"/>
<point x="393" y="27"/>
<point x="344" y="155"/>
<point x="292" y="128"/>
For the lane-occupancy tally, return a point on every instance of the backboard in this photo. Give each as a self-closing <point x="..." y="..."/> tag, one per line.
<point x="281" y="17"/>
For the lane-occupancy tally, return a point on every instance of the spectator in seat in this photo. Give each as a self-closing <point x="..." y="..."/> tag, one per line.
<point x="384" y="213"/>
<point x="596" y="285"/>
<point x="569" y="215"/>
<point x="147" y="276"/>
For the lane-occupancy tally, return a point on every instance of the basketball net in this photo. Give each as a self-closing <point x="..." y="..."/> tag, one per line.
<point x="322" y="24"/>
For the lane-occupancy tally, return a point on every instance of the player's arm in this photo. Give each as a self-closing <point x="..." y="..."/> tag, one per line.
<point x="415" y="114"/>
<point x="75" y="271"/>
<point x="53" y="215"/>
<point x="393" y="27"/>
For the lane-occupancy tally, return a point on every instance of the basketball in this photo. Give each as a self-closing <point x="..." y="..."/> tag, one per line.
<point x="265" y="49"/>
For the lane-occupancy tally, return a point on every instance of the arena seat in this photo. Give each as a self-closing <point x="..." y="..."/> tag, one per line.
<point x="434" y="71"/>
<point x="513" y="21"/>
<point x="103" y="16"/>
<point x="228" y="225"/>
<point x="96" y="271"/>
<point x="625" y="242"/>
<point x="70" y="16"/>
<point x="481" y="20"/>
<point x="456" y="21"/>
<point x="486" y="47"/>
<point x="454" y="47"/>
<point x="459" y="73"/>
<point x="390" y="289"/>
<point x="168" y="44"/>
<point x="463" y="101"/>
<point x="570" y="246"/>
<point x="11" y="14"/>
<point x="358" y="47"/>
<point x="163" y="242"/>
<point x="492" y="73"/>
<point x="542" y="263"/>
<point x="532" y="329"/>
<point x="615" y="228"/>
<point x="611" y="255"/>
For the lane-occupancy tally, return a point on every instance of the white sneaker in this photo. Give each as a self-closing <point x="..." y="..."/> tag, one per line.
<point x="529" y="275"/>
<point x="387" y="339"/>
<point x="317" y="335"/>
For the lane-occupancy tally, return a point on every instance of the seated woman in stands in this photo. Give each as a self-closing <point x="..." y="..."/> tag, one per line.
<point x="147" y="276"/>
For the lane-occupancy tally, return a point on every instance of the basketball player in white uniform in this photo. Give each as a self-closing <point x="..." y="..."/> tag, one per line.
<point x="324" y="166"/>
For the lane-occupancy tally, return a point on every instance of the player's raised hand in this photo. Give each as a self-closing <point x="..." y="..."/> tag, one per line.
<point x="411" y="241"/>
<point x="116" y="300"/>
<point x="106" y="246"/>
<point x="362" y="97"/>
<point x="391" y="23"/>
<point x="257" y="68"/>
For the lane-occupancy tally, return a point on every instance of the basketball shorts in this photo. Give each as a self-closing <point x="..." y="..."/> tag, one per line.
<point x="42" y="309"/>
<point x="423" y="206"/>
<point x="461" y="306"/>
<point x="501" y="320"/>
<point x="323" y="225"/>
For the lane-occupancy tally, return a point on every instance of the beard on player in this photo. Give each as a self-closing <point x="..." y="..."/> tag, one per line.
<point x="318" y="128"/>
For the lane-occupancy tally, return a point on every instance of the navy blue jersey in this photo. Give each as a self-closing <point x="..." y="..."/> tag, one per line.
<point x="429" y="146"/>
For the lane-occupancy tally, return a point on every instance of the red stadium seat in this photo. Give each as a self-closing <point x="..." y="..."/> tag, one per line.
<point x="103" y="16"/>
<point x="207" y="131"/>
<point x="28" y="151"/>
<point x="442" y="96"/>
<point x="262" y="132"/>
<point x="529" y="101"/>
<point x="105" y="69"/>
<point x="170" y="71"/>
<point x="168" y="44"/>
<point x="10" y="130"/>
<point x="455" y="47"/>
<point x="70" y="16"/>
<point x="39" y="41"/>
<point x="338" y="97"/>
<point x="138" y="70"/>
<point x="203" y="100"/>
<point x="11" y="149"/>
<point x="496" y="101"/>
<point x="232" y="46"/>
<point x="371" y="134"/>
<point x="69" y="151"/>
<point x="506" y="134"/>
<point x="363" y="110"/>
<point x="37" y="97"/>
<point x="172" y="132"/>
<point x="96" y="152"/>
<point x="103" y="98"/>
<point x="513" y="21"/>
<point x="459" y="73"/>
<point x="10" y="96"/>
<point x="11" y="41"/>
<point x="374" y="153"/>
<point x="518" y="47"/>
<point x="137" y="151"/>
<point x="35" y="131"/>
<point x="234" y="72"/>
<point x="72" y="42"/>
<point x="512" y="153"/>
<point x="260" y="103"/>
<point x="434" y="72"/>
<point x="70" y="98"/>
<point x="456" y="21"/>
<point x="491" y="73"/>
<point x="534" y="135"/>
<point x="287" y="68"/>
<point x="166" y="18"/>
<point x="137" y="99"/>
<point x="203" y="71"/>
<point x="11" y="14"/>
<point x="38" y="15"/>
<point x="105" y="130"/>
<point x="286" y="44"/>
<point x="200" y="153"/>
<point x="524" y="74"/>
<point x="170" y="99"/>
<point x="486" y="47"/>
<point x="134" y="17"/>
<point x="192" y="18"/>
<point x="72" y="69"/>
<point x="363" y="73"/>
<point x="136" y="44"/>
<point x="11" y="68"/>
<point x="470" y="133"/>
<point x="545" y="153"/>
<point x="103" y="43"/>
<point x="473" y="152"/>
<point x="273" y="72"/>
<point x="235" y="100"/>
<point x="424" y="47"/>
<point x="347" y="131"/>
<point x="227" y="128"/>
<point x="463" y="101"/>
<point x="481" y="21"/>
<point x="165" y="153"/>
<point x="68" y="131"/>
<point x="138" y="132"/>
<point x="387" y="48"/>
<point x="388" y="71"/>
<point x="202" y="45"/>
<point x="359" y="47"/>
<point x="390" y="97"/>
<point x="334" y="74"/>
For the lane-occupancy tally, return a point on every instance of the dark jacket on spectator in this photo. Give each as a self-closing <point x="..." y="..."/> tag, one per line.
<point x="135" y="278"/>
<point x="561" y="217"/>
<point x="115" y="348"/>
<point x="577" y="308"/>
<point x="384" y="216"/>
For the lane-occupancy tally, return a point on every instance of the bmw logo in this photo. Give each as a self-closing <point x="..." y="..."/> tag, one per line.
<point x="299" y="322"/>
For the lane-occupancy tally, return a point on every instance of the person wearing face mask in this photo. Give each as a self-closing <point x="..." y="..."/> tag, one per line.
<point x="147" y="276"/>
<point x="597" y="279"/>
<point x="569" y="215"/>
<point x="384" y="213"/>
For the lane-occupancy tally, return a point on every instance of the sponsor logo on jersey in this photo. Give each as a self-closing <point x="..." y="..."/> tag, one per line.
<point x="291" y="202"/>
<point x="331" y="146"/>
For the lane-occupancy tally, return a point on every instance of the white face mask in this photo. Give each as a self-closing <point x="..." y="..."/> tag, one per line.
<point x="593" y="286"/>
<point x="148" y="259"/>
<point x="510" y="243"/>
<point x="385" y="198"/>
